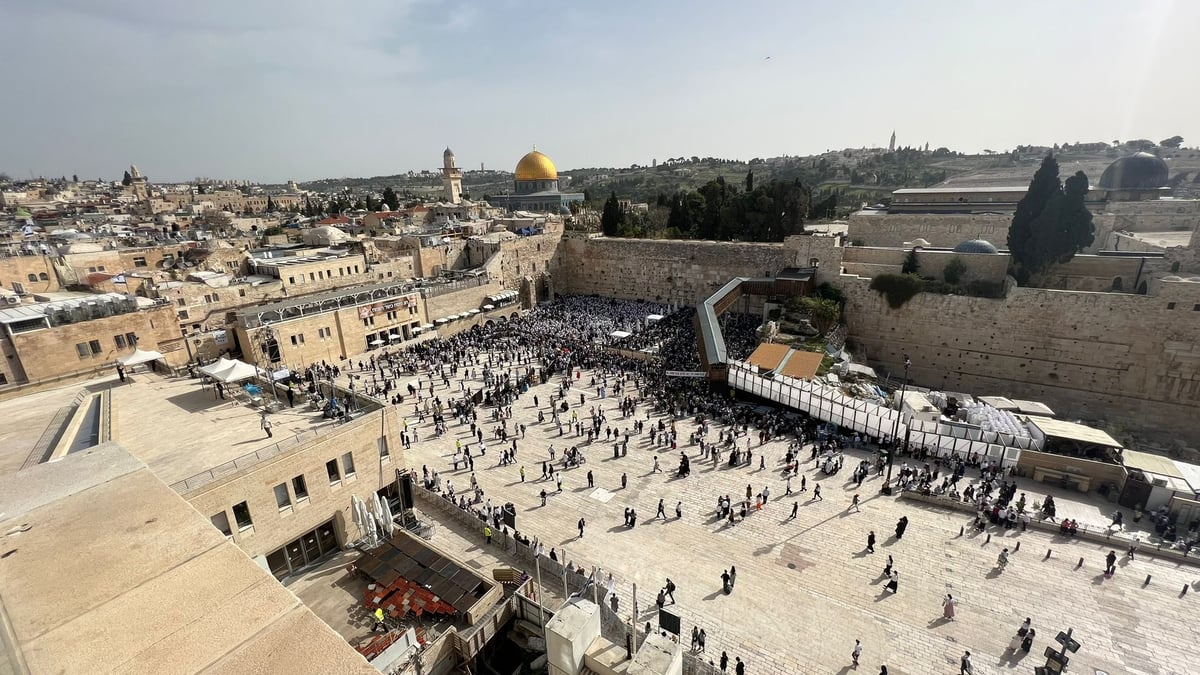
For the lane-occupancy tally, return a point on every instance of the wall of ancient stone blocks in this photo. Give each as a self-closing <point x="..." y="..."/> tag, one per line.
<point x="1125" y="359"/>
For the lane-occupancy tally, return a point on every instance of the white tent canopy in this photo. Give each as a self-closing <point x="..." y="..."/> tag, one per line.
<point x="221" y="364"/>
<point x="139" y="356"/>
<point x="236" y="372"/>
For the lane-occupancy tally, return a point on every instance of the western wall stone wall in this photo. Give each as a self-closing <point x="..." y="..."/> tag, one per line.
<point x="683" y="272"/>
<point x="1130" y="360"/>
<point x="869" y="261"/>
<point x="894" y="229"/>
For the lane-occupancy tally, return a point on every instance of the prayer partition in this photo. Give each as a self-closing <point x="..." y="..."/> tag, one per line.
<point x="828" y="404"/>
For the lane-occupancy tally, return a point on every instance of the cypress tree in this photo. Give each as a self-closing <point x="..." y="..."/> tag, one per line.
<point x="1022" y="233"/>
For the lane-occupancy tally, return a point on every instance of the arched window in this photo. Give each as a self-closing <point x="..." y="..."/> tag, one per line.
<point x="1117" y="284"/>
<point x="33" y="277"/>
<point x="44" y="277"/>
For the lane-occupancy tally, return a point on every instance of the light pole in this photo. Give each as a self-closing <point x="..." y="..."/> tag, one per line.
<point x="887" y="483"/>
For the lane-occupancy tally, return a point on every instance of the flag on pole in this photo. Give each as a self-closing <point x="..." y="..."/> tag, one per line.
<point x="119" y="279"/>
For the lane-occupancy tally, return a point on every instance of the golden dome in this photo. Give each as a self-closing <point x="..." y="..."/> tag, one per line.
<point x="536" y="166"/>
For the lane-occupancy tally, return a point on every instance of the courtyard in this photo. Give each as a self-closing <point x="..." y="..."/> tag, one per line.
<point x="807" y="588"/>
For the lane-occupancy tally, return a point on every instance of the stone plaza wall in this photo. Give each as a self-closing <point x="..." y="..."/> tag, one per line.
<point x="894" y="229"/>
<point x="870" y="261"/>
<point x="682" y="272"/>
<point x="1131" y="360"/>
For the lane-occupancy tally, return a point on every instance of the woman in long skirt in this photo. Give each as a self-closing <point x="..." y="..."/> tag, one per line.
<point x="948" y="607"/>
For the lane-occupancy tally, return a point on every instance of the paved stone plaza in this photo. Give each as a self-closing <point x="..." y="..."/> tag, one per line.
<point x="806" y="589"/>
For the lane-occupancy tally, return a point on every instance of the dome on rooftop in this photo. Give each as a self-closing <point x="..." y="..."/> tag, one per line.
<point x="976" y="246"/>
<point x="536" y="166"/>
<point x="1142" y="171"/>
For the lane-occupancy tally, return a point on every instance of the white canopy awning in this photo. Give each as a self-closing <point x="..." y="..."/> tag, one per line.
<point x="237" y="372"/>
<point x="139" y="356"/>
<point x="473" y="312"/>
<point x="220" y="364"/>
<point x="619" y="334"/>
<point x="427" y="326"/>
<point x="440" y="321"/>
<point x="489" y="308"/>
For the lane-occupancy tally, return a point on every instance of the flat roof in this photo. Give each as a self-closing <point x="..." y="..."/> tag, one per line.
<point x="768" y="356"/>
<point x="801" y="364"/>
<point x="950" y="190"/>
<point x="1157" y="464"/>
<point x="1073" y="431"/>
<point x="113" y="571"/>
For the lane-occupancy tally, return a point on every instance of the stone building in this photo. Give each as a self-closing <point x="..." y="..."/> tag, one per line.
<point x="81" y="335"/>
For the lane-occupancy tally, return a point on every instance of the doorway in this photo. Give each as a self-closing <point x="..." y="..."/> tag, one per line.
<point x="304" y="551"/>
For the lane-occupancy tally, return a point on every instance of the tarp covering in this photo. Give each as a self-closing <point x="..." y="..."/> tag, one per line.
<point x="220" y="364"/>
<point x="236" y="372"/>
<point x="139" y="356"/>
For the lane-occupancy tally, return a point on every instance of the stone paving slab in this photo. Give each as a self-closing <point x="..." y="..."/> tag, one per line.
<point x="806" y="588"/>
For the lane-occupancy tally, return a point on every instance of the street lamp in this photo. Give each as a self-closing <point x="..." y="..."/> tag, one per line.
<point x="887" y="483"/>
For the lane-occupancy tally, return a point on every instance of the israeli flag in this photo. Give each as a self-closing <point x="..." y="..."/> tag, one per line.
<point x="119" y="279"/>
<point x="28" y="229"/>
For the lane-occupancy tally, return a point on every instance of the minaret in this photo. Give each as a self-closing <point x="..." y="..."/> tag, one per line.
<point x="140" y="188"/>
<point x="451" y="178"/>
<point x="892" y="143"/>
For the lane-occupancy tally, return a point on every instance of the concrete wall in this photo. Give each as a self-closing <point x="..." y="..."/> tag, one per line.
<point x="871" y="261"/>
<point x="273" y="527"/>
<point x="663" y="271"/>
<point x="1133" y="360"/>
<point x="948" y="231"/>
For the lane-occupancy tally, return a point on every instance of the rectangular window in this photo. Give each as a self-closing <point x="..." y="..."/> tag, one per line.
<point x="131" y="339"/>
<point x="18" y="288"/>
<point x="82" y="350"/>
<point x="119" y="341"/>
<point x="183" y="315"/>
<point x="181" y="302"/>
<point x="241" y="292"/>
<point x="292" y="280"/>
<point x="348" y="463"/>
<point x="356" y="269"/>
<point x="221" y="522"/>
<point x="293" y="340"/>
<point x="312" y="276"/>
<point x="139" y="261"/>
<point x="241" y="513"/>
<point x="282" y="498"/>
<point x="300" y="487"/>
<point x="300" y="337"/>
<point x="1170" y="305"/>
<point x="95" y="345"/>
<point x="331" y="468"/>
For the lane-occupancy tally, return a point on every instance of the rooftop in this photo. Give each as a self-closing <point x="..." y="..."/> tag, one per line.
<point x="150" y="583"/>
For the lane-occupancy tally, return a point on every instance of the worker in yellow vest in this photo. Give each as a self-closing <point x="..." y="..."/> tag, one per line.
<point x="379" y="619"/>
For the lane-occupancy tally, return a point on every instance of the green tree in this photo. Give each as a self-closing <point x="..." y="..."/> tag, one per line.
<point x="1074" y="230"/>
<point x="271" y="207"/>
<point x="612" y="217"/>
<point x="372" y="205"/>
<point x="750" y="181"/>
<point x="127" y="180"/>
<point x="911" y="264"/>
<point x="75" y="176"/>
<point x="953" y="271"/>
<point x="213" y="220"/>
<point x="391" y="199"/>
<point x="309" y="212"/>
<point x="1172" y="142"/>
<point x="1022" y="232"/>
<point x="824" y="314"/>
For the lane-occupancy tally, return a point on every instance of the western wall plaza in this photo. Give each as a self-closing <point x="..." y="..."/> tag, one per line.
<point x="907" y="407"/>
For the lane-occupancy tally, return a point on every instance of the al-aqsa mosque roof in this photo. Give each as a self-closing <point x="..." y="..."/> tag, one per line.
<point x="1141" y="171"/>
<point x="536" y="166"/>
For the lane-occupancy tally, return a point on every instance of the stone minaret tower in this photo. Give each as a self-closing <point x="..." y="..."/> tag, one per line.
<point x="451" y="178"/>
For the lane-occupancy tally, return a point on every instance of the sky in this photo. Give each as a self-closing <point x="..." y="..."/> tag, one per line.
<point x="272" y="90"/>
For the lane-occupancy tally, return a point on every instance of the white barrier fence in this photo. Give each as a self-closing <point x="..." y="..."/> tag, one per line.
<point x="828" y="404"/>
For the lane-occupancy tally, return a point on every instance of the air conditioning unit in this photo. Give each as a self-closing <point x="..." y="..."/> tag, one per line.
<point x="12" y="299"/>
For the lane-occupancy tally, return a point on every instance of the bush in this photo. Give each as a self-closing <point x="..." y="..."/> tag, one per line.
<point x="897" y="288"/>
<point x="911" y="265"/>
<point x="954" y="271"/>
<point x="982" y="288"/>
